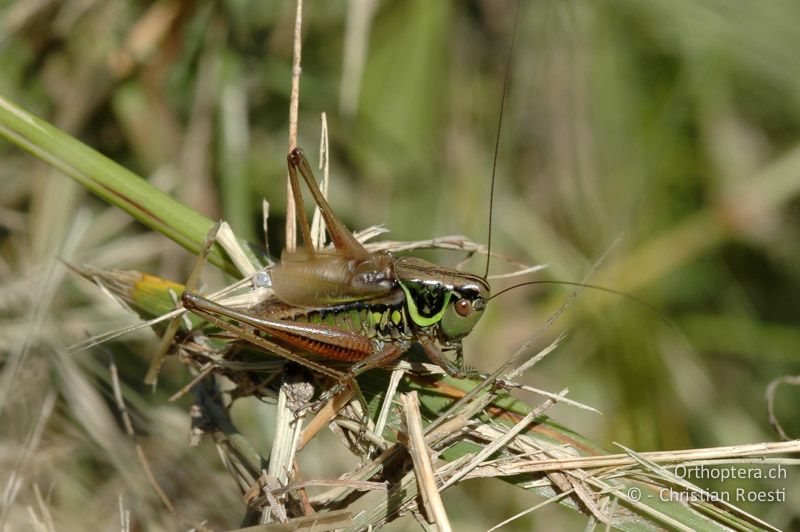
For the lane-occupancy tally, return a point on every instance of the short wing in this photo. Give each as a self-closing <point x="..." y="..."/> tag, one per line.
<point x="331" y="278"/>
<point x="313" y="278"/>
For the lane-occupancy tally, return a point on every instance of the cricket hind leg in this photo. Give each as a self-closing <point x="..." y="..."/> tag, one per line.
<point x="342" y="238"/>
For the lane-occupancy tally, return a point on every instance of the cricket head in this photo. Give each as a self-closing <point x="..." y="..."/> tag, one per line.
<point x="435" y="294"/>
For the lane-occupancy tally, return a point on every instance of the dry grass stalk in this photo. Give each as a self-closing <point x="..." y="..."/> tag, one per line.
<point x="420" y="455"/>
<point x="317" y="222"/>
<point x="391" y="389"/>
<point x="143" y="460"/>
<point x="692" y="488"/>
<point x="14" y="482"/>
<point x="294" y="105"/>
<point x="326" y="414"/>
<point x="709" y="456"/>
<point x="335" y="520"/>
<point x="501" y="442"/>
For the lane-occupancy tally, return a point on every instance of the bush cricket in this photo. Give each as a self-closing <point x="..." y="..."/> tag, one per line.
<point x="354" y="306"/>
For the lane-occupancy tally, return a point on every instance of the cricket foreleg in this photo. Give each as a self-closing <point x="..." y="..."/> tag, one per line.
<point x="435" y="354"/>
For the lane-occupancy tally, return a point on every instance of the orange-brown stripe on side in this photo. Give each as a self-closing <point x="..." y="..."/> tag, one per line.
<point x="329" y="343"/>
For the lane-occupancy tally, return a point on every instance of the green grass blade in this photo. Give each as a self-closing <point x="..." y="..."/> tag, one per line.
<point x="110" y="181"/>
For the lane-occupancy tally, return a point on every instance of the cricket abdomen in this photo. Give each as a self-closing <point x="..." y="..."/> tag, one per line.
<point x="374" y="322"/>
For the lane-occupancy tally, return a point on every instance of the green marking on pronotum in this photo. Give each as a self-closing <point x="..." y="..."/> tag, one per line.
<point x="415" y="315"/>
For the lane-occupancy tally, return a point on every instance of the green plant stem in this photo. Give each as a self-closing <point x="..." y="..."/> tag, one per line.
<point x="111" y="182"/>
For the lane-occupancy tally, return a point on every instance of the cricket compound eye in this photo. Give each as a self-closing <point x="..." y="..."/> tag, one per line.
<point x="463" y="307"/>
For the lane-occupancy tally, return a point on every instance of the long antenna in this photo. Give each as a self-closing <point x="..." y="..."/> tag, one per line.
<point x="620" y="293"/>
<point x="506" y="77"/>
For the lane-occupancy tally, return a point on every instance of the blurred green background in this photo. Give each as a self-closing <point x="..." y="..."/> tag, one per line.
<point x="665" y="134"/>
